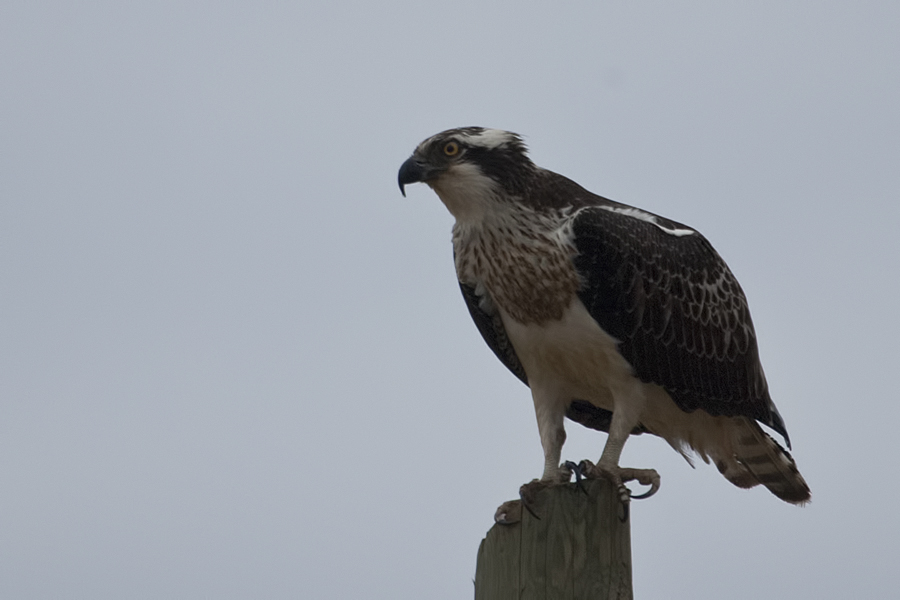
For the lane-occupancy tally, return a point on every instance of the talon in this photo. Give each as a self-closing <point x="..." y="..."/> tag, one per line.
<point x="646" y="494"/>
<point x="530" y="511"/>
<point x="527" y="493"/>
<point x="579" y="472"/>
<point x="625" y="501"/>
<point x="624" y="516"/>
<point x="509" y="513"/>
<point x="618" y="476"/>
<point x="643" y="477"/>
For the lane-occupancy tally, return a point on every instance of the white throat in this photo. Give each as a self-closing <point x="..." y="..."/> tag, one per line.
<point x="467" y="193"/>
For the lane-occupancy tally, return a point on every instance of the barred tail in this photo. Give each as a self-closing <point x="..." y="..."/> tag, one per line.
<point x="757" y="458"/>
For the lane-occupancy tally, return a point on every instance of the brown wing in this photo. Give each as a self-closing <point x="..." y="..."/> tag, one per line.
<point x="681" y="318"/>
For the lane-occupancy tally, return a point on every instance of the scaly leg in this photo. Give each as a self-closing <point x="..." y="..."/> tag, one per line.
<point x="623" y="421"/>
<point x="550" y="411"/>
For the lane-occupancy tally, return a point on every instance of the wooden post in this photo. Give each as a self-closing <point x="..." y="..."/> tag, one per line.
<point x="579" y="549"/>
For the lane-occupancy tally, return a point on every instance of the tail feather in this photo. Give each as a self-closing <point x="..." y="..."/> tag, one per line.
<point x="757" y="458"/>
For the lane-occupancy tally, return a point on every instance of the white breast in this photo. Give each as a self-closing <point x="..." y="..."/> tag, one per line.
<point x="572" y="357"/>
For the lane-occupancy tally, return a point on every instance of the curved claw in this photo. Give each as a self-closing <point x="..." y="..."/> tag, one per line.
<point x="654" y="487"/>
<point x="527" y="505"/>
<point x="643" y="477"/>
<point x="580" y="474"/>
<point x="528" y="493"/>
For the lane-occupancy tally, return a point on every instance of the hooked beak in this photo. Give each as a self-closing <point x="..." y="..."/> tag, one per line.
<point x="412" y="171"/>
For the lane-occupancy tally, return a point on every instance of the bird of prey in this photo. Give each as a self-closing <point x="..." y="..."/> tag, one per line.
<point x="617" y="318"/>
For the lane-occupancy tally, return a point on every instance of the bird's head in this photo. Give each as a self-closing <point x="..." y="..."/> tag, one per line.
<point x="469" y="166"/>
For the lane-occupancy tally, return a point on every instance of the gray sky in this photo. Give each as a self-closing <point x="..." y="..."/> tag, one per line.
<point x="235" y="363"/>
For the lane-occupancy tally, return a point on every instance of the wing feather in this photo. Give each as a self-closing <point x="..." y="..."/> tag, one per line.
<point x="491" y="328"/>
<point x="679" y="313"/>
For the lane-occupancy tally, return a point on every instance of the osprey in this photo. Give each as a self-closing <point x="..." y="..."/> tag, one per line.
<point x="617" y="318"/>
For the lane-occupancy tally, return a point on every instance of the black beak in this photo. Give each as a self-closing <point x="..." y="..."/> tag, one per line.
<point x="410" y="172"/>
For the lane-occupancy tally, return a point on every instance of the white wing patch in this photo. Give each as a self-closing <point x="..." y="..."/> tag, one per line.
<point x="637" y="213"/>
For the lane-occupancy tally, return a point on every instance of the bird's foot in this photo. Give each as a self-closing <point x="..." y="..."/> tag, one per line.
<point x="511" y="511"/>
<point x="579" y="471"/>
<point x="618" y="476"/>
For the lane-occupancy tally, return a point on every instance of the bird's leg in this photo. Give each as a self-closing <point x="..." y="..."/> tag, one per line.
<point x="608" y="466"/>
<point x="551" y="427"/>
<point x="550" y="414"/>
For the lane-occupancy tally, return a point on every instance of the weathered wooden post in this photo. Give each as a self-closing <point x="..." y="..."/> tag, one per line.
<point x="579" y="549"/>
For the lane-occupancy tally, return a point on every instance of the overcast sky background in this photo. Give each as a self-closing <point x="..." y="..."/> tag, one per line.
<point x="235" y="363"/>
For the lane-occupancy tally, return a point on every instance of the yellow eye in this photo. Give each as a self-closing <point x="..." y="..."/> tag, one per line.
<point x="451" y="148"/>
